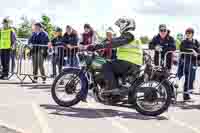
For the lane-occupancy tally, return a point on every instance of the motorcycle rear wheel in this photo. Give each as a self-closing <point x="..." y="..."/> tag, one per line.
<point x="151" y="96"/>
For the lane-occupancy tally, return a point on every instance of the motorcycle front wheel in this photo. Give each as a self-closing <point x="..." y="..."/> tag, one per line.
<point x="67" y="86"/>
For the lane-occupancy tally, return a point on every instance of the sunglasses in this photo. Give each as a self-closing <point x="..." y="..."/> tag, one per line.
<point x="163" y="30"/>
<point x="188" y="33"/>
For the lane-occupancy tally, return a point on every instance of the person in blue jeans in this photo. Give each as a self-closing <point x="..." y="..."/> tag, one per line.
<point x="70" y="40"/>
<point x="58" y="52"/>
<point x="188" y="62"/>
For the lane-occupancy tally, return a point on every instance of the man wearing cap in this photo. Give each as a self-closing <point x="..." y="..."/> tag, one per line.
<point x="187" y="63"/>
<point x="162" y="43"/>
<point x="7" y="43"/>
<point x="38" y="38"/>
<point x="58" y="51"/>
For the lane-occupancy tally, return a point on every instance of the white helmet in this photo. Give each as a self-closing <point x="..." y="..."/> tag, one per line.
<point x="125" y="24"/>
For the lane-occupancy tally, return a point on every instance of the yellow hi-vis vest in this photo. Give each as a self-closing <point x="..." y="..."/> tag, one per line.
<point x="131" y="52"/>
<point x="5" y="39"/>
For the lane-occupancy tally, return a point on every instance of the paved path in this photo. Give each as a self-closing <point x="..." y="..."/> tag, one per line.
<point x="29" y="108"/>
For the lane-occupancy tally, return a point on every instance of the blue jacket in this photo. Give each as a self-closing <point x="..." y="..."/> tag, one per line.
<point x="71" y="39"/>
<point x="185" y="46"/>
<point x="57" y="43"/>
<point x="39" y="38"/>
<point x="167" y="44"/>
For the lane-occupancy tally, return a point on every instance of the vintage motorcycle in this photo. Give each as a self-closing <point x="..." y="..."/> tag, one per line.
<point x="143" y="89"/>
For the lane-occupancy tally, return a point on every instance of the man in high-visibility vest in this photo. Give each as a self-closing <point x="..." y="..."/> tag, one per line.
<point x="7" y="43"/>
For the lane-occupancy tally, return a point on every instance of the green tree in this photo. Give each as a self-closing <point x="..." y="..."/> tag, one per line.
<point x="144" y="39"/>
<point x="48" y="26"/>
<point x="24" y="29"/>
<point x="100" y="35"/>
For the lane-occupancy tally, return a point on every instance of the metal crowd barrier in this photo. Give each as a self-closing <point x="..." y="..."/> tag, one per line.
<point x="39" y="61"/>
<point x="151" y="53"/>
<point x="182" y="62"/>
<point x="175" y="58"/>
<point x="48" y="61"/>
<point x="9" y="60"/>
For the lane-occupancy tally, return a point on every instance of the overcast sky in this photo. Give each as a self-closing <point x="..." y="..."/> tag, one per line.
<point x="177" y="14"/>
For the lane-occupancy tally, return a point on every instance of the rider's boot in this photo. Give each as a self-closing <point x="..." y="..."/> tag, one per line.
<point x="109" y="88"/>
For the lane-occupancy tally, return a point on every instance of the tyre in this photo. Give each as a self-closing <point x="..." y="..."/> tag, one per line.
<point x="147" y="98"/>
<point x="69" y="80"/>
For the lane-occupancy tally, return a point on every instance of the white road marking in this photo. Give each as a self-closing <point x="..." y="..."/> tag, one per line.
<point x="12" y="127"/>
<point x="40" y="116"/>
<point x="13" y="105"/>
<point x="184" y="124"/>
<point x="114" y="123"/>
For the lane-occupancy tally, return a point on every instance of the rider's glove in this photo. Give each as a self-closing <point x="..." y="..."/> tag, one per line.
<point x="158" y="48"/>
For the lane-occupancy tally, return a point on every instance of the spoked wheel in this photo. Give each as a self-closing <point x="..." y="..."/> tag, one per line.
<point x="152" y="98"/>
<point x="67" y="87"/>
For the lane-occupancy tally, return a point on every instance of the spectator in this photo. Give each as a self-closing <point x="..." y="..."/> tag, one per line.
<point x="58" y="54"/>
<point x="7" y="43"/>
<point x="168" y="32"/>
<point x="163" y="43"/>
<point x="179" y="39"/>
<point x="109" y="52"/>
<point x="88" y="37"/>
<point x="38" y="51"/>
<point x="187" y="63"/>
<point x="70" y="39"/>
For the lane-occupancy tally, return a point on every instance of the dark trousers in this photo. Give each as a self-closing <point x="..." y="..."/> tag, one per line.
<point x="57" y="61"/>
<point x="5" y="61"/>
<point x="114" y="54"/>
<point x="188" y="69"/>
<point x="72" y="60"/>
<point x="117" y="68"/>
<point x="38" y="62"/>
<point x="13" y="57"/>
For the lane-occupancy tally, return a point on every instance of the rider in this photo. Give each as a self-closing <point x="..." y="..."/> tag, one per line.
<point x="129" y="55"/>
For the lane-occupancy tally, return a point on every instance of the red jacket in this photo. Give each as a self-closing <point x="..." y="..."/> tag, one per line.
<point x="107" y="52"/>
<point x="87" y="38"/>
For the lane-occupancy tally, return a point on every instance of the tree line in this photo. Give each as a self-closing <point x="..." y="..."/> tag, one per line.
<point x="24" y="29"/>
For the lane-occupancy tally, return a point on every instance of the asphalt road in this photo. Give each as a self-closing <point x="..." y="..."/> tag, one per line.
<point x="29" y="108"/>
<point x="4" y="129"/>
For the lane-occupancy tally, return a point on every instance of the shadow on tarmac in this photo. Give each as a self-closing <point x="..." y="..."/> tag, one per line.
<point x="96" y="113"/>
